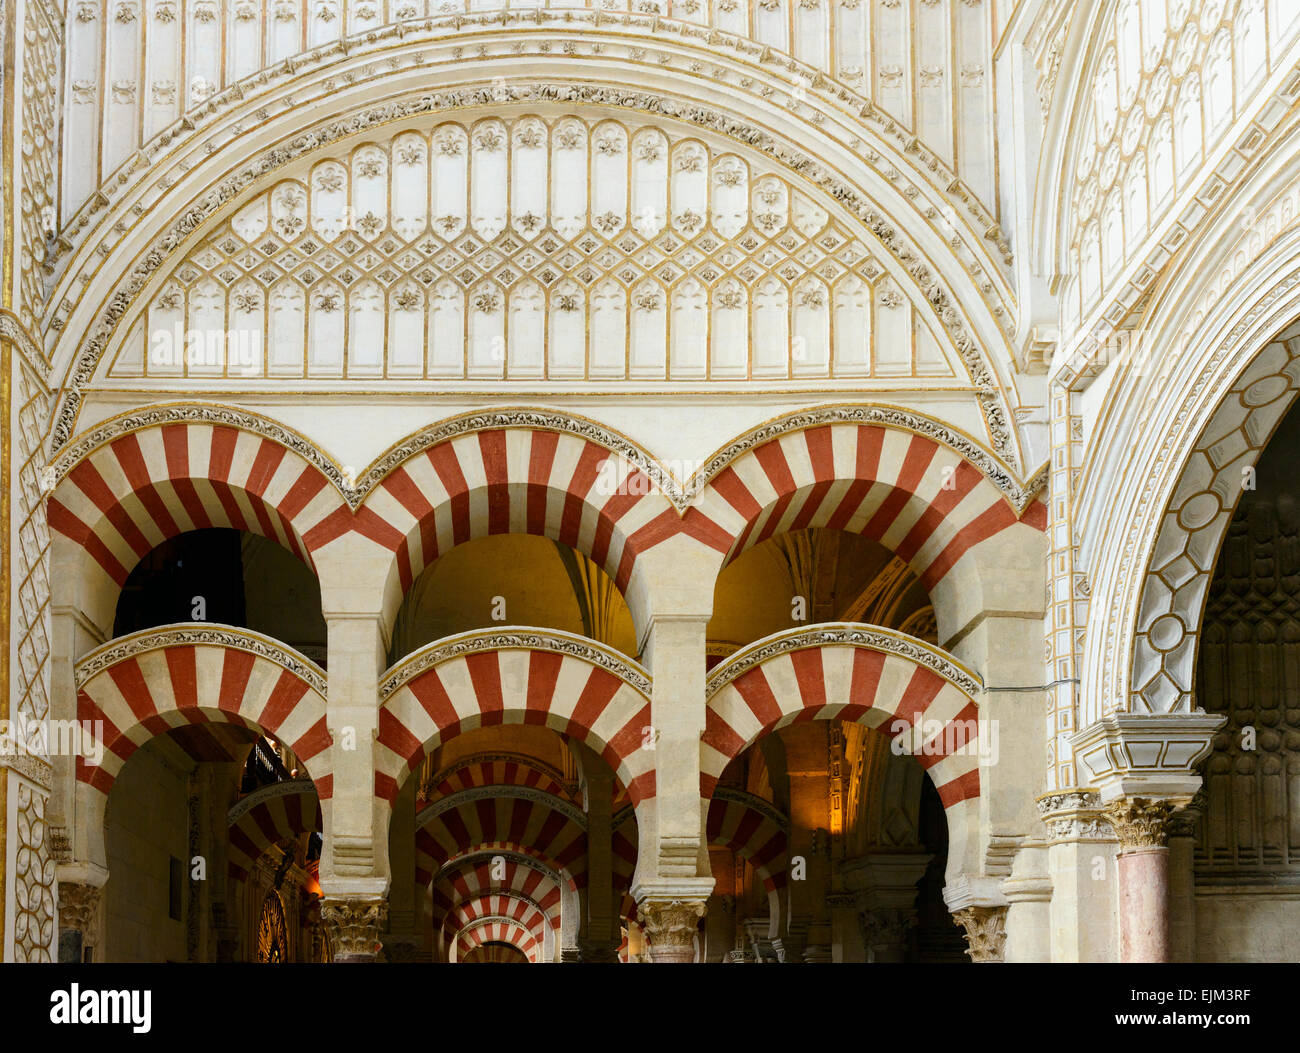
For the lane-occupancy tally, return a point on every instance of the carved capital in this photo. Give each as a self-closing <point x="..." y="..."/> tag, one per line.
<point x="353" y="925"/>
<point x="1143" y="822"/>
<point x="985" y="928"/>
<point x="884" y="927"/>
<point x="671" y="926"/>
<point x="77" y="905"/>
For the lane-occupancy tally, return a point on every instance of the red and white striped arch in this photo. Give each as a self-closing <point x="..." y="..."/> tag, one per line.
<point x="740" y="822"/>
<point x="472" y="878"/>
<point x="497" y="771"/>
<point x="147" y="683"/>
<point x="545" y="827"/>
<point x="916" y="495"/>
<point x="487" y="677"/>
<point x="270" y="816"/>
<point x="884" y="679"/>
<point x="522" y="480"/>
<point x="500" y="930"/>
<point x="502" y="905"/>
<point x="124" y="490"/>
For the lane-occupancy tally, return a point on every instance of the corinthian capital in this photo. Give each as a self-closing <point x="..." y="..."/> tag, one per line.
<point x="986" y="935"/>
<point x="671" y="926"/>
<point x="77" y="905"/>
<point x="1143" y="822"/>
<point x="354" y="925"/>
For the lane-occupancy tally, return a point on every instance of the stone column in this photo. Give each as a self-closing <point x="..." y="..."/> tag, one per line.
<point x="671" y="927"/>
<point x="1081" y="849"/>
<point x="1144" y="766"/>
<point x="599" y="931"/>
<point x="1182" y="882"/>
<point x="78" y="915"/>
<point x="354" y="924"/>
<point x="671" y="597"/>
<point x="1142" y="825"/>
<point x="1029" y="912"/>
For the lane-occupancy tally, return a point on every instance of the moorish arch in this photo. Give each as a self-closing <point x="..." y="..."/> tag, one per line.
<point x="914" y="692"/>
<point x="469" y="878"/>
<point x="149" y="683"/>
<point x="513" y="675"/>
<point x="267" y="817"/>
<point x="526" y="471"/>
<point x="921" y="488"/>
<point x="502" y="905"/>
<point x="145" y="477"/>
<point x="1198" y="440"/>
<point x="513" y="818"/>
<point x="496" y="928"/>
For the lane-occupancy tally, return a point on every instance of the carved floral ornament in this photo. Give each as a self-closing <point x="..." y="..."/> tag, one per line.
<point x="878" y="123"/>
<point x="688" y="222"/>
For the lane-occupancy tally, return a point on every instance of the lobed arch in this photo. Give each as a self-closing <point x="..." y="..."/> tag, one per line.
<point x="270" y="816"/>
<point x="924" y="490"/>
<point x="146" y="476"/>
<point x="147" y="683"/>
<point x="917" y="694"/>
<point x="514" y="675"/>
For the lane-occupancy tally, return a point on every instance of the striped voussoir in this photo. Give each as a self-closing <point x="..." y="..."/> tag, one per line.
<point x="502" y="905"/>
<point x="272" y="820"/>
<point x="747" y="829"/>
<point x="885" y="683"/>
<point x="498" y="930"/>
<point x="471" y="688"/>
<point x="521" y="481"/>
<point x="476" y="820"/>
<point x="132" y="493"/>
<point x="475" y="878"/>
<point x="171" y="683"/>
<point x="918" y="497"/>
<point x="498" y="771"/>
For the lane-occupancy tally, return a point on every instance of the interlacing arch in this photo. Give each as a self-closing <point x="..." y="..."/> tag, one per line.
<point x="925" y="491"/>
<point x="912" y="691"/>
<point x="502" y="816"/>
<point x="270" y="816"/>
<point x="144" y="477"/>
<point x="515" y="675"/>
<point x="515" y="471"/>
<point x="145" y="684"/>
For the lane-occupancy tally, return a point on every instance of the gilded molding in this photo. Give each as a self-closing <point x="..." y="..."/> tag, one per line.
<point x="513" y="639"/>
<point x="875" y="638"/>
<point x="201" y="634"/>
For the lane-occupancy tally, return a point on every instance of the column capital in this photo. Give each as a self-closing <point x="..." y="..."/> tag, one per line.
<point x="1143" y="822"/>
<point x="354" y="925"/>
<point x="886" y="926"/>
<point x="1146" y="755"/>
<point x="78" y="903"/>
<point x="986" y="932"/>
<point x="1074" y="814"/>
<point x="671" y="925"/>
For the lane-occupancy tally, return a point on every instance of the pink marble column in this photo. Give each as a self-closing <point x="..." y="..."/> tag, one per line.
<point x="1144" y="905"/>
<point x="1142" y="826"/>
